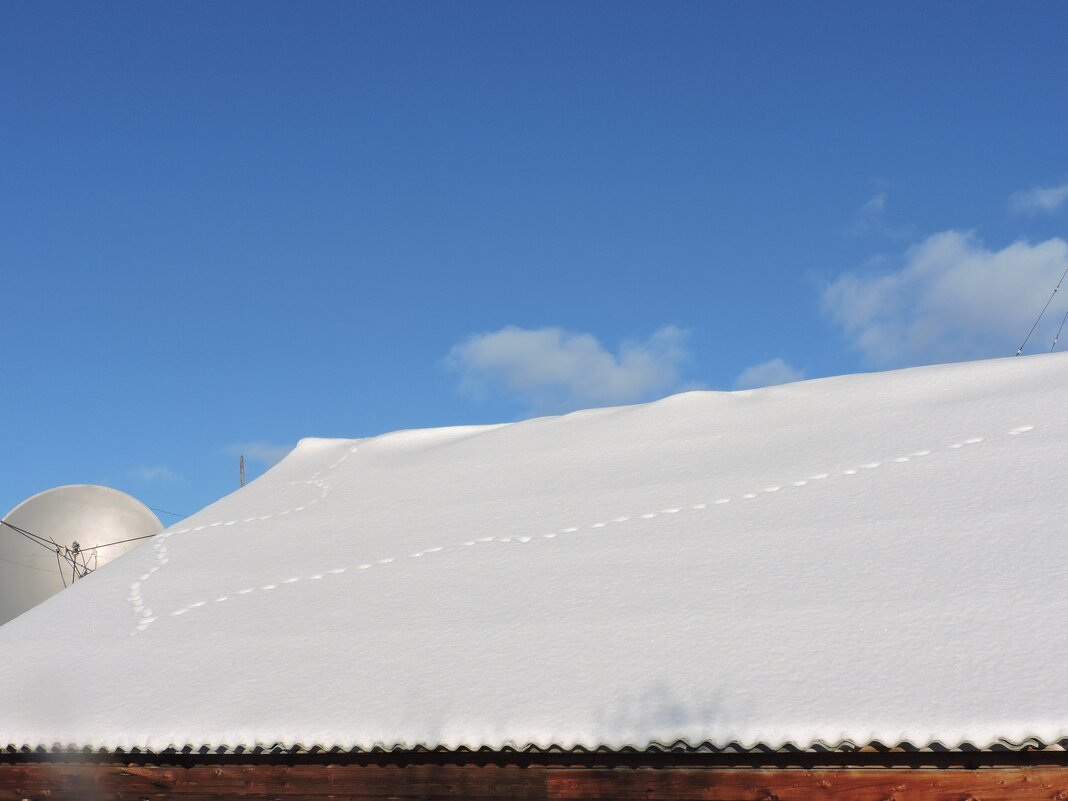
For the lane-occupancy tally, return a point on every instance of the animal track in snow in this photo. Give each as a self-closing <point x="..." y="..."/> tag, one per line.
<point x="147" y="616"/>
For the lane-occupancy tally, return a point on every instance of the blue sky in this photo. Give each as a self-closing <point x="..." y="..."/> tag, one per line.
<point x="225" y="226"/>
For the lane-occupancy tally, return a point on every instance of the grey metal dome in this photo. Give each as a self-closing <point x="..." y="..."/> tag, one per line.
<point x="77" y="520"/>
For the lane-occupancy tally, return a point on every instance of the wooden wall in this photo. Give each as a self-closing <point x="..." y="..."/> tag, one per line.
<point x="60" y="780"/>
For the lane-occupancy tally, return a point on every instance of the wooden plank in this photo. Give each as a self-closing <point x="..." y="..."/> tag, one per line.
<point x="60" y="782"/>
<point x="63" y="781"/>
<point x="863" y="784"/>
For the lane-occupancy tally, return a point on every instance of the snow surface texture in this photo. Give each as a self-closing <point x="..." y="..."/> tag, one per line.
<point x="872" y="557"/>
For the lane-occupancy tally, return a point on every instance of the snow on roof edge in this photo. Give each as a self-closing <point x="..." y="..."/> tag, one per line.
<point x="1041" y="728"/>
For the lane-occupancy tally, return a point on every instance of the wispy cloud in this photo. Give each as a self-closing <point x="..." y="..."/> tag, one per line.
<point x="767" y="374"/>
<point x="264" y="453"/>
<point x="1039" y="199"/>
<point x="950" y="298"/>
<point x="159" y="473"/>
<point x="875" y="205"/>
<point x="870" y="218"/>
<point x="549" y="369"/>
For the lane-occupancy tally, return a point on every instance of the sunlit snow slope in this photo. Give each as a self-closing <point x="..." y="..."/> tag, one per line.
<point x="878" y="556"/>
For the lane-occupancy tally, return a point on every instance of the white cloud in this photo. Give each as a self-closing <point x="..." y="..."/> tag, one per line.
<point x="265" y="453"/>
<point x="158" y="473"/>
<point x="768" y="374"/>
<point x="951" y="299"/>
<point x="1038" y="199"/>
<point x="552" y="369"/>
<point x="871" y="219"/>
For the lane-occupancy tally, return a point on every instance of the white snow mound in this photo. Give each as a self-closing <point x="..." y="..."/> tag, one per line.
<point x="872" y="557"/>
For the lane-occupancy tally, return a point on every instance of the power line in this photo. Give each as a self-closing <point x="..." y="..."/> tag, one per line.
<point x="165" y="512"/>
<point x="1039" y="318"/>
<point x="67" y="554"/>
<point x="1059" y="329"/>
<point x="28" y="567"/>
<point x="34" y="538"/>
<point x="63" y="553"/>
<point x="52" y="544"/>
<point x="118" y="542"/>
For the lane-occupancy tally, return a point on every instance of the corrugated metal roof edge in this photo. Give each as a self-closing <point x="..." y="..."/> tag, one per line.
<point x="676" y="747"/>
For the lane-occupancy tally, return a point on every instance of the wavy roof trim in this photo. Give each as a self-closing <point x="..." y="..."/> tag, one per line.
<point x="677" y="747"/>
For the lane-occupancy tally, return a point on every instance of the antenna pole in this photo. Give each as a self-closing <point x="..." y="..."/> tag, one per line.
<point x="242" y="470"/>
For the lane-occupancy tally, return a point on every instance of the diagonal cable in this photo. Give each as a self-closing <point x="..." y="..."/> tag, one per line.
<point x="1059" y="329"/>
<point x="1039" y="318"/>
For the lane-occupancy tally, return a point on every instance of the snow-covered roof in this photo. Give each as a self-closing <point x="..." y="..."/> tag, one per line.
<point x="872" y="557"/>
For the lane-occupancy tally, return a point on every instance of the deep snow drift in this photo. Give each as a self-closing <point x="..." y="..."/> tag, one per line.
<point x="867" y="557"/>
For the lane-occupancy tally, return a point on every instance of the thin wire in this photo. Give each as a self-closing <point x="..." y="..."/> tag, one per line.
<point x="81" y="564"/>
<point x="60" y="566"/>
<point x="52" y="544"/>
<point x="118" y="542"/>
<point x="44" y="543"/>
<point x="26" y="533"/>
<point x="1039" y="318"/>
<point x="28" y="567"/>
<point x="165" y="512"/>
<point x="61" y="552"/>
<point x="1054" y="345"/>
<point x="34" y="540"/>
<point x="33" y="556"/>
<point x="66" y="554"/>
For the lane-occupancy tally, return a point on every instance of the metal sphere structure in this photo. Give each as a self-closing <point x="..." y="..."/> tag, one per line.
<point x="61" y="535"/>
